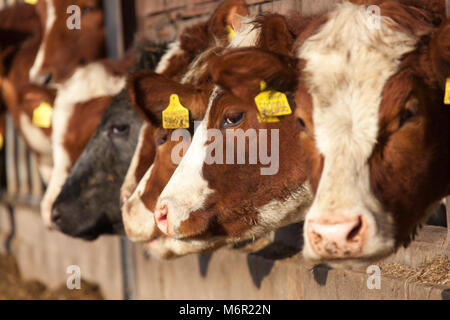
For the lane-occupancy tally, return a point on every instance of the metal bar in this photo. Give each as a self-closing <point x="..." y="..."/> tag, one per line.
<point x="114" y="28"/>
<point x="115" y="44"/>
<point x="447" y="212"/>
<point x="11" y="174"/>
<point x="128" y="263"/>
<point x="22" y="168"/>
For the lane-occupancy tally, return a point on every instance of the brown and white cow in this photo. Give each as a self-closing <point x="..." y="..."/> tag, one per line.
<point x="138" y="211"/>
<point x="62" y="50"/>
<point x="204" y="201"/>
<point x="185" y="61"/>
<point x="376" y="129"/>
<point x="78" y="109"/>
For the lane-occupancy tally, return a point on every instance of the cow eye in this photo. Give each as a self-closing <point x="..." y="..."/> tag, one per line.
<point x="232" y="119"/>
<point x="411" y="110"/>
<point x="119" y="130"/>
<point x="302" y="124"/>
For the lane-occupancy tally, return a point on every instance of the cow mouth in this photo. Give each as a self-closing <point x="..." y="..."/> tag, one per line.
<point x="101" y="226"/>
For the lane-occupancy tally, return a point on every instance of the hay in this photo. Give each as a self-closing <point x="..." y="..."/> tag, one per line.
<point x="13" y="287"/>
<point x="434" y="271"/>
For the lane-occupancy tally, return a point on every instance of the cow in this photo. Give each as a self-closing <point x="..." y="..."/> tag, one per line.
<point x="179" y="55"/>
<point x="184" y="62"/>
<point x="376" y="129"/>
<point x="78" y="108"/>
<point x="101" y="168"/>
<point x="62" y="49"/>
<point x="268" y="31"/>
<point x="214" y="201"/>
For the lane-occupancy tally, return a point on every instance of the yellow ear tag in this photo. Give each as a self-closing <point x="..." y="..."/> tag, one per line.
<point x="272" y="103"/>
<point x="42" y="115"/>
<point x="262" y="118"/>
<point x="447" y="92"/>
<point x="1" y="141"/>
<point x="231" y="33"/>
<point x="32" y="2"/>
<point x="175" y="116"/>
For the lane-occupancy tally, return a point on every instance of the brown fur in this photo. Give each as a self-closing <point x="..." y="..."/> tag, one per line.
<point x="85" y="119"/>
<point x="409" y="165"/>
<point x="66" y="49"/>
<point x="240" y="190"/>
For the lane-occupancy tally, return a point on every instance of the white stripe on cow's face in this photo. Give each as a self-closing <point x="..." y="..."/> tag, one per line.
<point x="138" y="220"/>
<point x="88" y="82"/>
<point x="187" y="189"/>
<point x="130" y="183"/>
<point x="35" y="70"/>
<point x="348" y="65"/>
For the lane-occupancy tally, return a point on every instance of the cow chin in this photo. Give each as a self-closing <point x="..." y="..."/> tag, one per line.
<point x="139" y="222"/>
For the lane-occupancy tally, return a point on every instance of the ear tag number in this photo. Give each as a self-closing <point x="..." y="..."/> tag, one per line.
<point x="271" y="104"/>
<point x="175" y="116"/>
<point x="32" y="2"/>
<point x="42" y="115"/>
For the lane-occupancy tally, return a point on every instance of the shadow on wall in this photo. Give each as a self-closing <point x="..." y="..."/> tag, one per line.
<point x="288" y="242"/>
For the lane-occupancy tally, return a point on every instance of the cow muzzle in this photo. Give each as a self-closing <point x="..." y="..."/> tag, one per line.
<point x="337" y="238"/>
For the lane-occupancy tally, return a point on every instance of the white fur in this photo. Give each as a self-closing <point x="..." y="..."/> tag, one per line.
<point x="187" y="189"/>
<point x="35" y="70"/>
<point x="34" y="136"/>
<point x="174" y="50"/>
<point x="277" y="214"/>
<point x="88" y="82"/>
<point x="348" y="65"/>
<point x="138" y="220"/>
<point x="167" y="248"/>
<point x="247" y="35"/>
<point x="130" y="183"/>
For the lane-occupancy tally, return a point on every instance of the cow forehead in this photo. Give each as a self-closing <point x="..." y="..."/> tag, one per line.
<point x="348" y="63"/>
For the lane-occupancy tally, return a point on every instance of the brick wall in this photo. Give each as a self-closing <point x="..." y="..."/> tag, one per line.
<point x="162" y="20"/>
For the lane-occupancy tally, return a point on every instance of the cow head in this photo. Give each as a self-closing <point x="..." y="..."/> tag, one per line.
<point x="63" y="49"/>
<point x="186" y="60"/>
<point x="150" y="94"/>
<point x="224" y="189"/>
<point x="98" y="175"/>
<point x="376" y="129"/>
<point x="88" y="204"/>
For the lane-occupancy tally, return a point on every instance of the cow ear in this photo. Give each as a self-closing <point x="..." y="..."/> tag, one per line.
<point x="228" y="14"/>
<point x="440" y="53"/>
<point x="275" y="34"/>
<point x="150" y="93"/>
<point x="241" y="72"/>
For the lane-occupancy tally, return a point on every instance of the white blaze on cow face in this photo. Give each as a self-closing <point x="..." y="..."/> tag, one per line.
<point x="89" y="82"/>
<point x="187" y="189"/>
<point x="139" y="222"/>
<point x="35" y="71"/>
<point x="130" y="183"/>
<point x="347" y="67"/>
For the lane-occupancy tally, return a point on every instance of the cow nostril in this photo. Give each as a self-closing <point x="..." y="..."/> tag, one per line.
<point x="355" y="231"/>
<point x="163" y="212"/>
